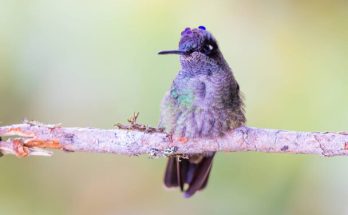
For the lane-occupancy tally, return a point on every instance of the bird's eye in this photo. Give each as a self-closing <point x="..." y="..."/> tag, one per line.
<point x="207" y="49"/>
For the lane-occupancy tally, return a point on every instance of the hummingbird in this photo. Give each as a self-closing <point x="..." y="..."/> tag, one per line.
<point x="204" y="101"/>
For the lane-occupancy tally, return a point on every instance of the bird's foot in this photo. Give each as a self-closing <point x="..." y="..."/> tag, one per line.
<point x="182" y="139"/>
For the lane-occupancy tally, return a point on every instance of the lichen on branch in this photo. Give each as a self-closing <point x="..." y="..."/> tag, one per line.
<point x="33" y="138"/>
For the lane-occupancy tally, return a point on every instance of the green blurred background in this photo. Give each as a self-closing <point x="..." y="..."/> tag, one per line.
<point x="92" y="63"/>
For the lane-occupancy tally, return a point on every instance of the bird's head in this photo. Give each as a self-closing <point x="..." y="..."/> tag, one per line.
<point x="197" y="46"/>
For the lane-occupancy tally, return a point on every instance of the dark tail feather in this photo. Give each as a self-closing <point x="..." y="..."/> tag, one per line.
<point x="185" y="171"/>
<point x="171" y="175"/>
<point x="0" y="151"/>
<point x="200" y="176"/>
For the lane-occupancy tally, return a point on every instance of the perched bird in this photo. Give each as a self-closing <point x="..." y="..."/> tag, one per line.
<point x="204" y="101"/>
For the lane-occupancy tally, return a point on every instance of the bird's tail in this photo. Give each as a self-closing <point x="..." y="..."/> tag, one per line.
<point x="0" y="151"/>
<point x="193" y="172"/>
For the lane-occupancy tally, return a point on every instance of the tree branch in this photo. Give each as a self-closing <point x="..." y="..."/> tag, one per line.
<point x="31" y="138"/>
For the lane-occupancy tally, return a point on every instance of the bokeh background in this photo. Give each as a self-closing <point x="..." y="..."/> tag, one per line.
<point x="93" y="63"/>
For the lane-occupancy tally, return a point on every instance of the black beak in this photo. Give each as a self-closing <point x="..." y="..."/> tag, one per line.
<point x="179" y="52"/>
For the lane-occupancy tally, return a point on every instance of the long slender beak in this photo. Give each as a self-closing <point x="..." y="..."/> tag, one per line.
<point x="179" y="52"/>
